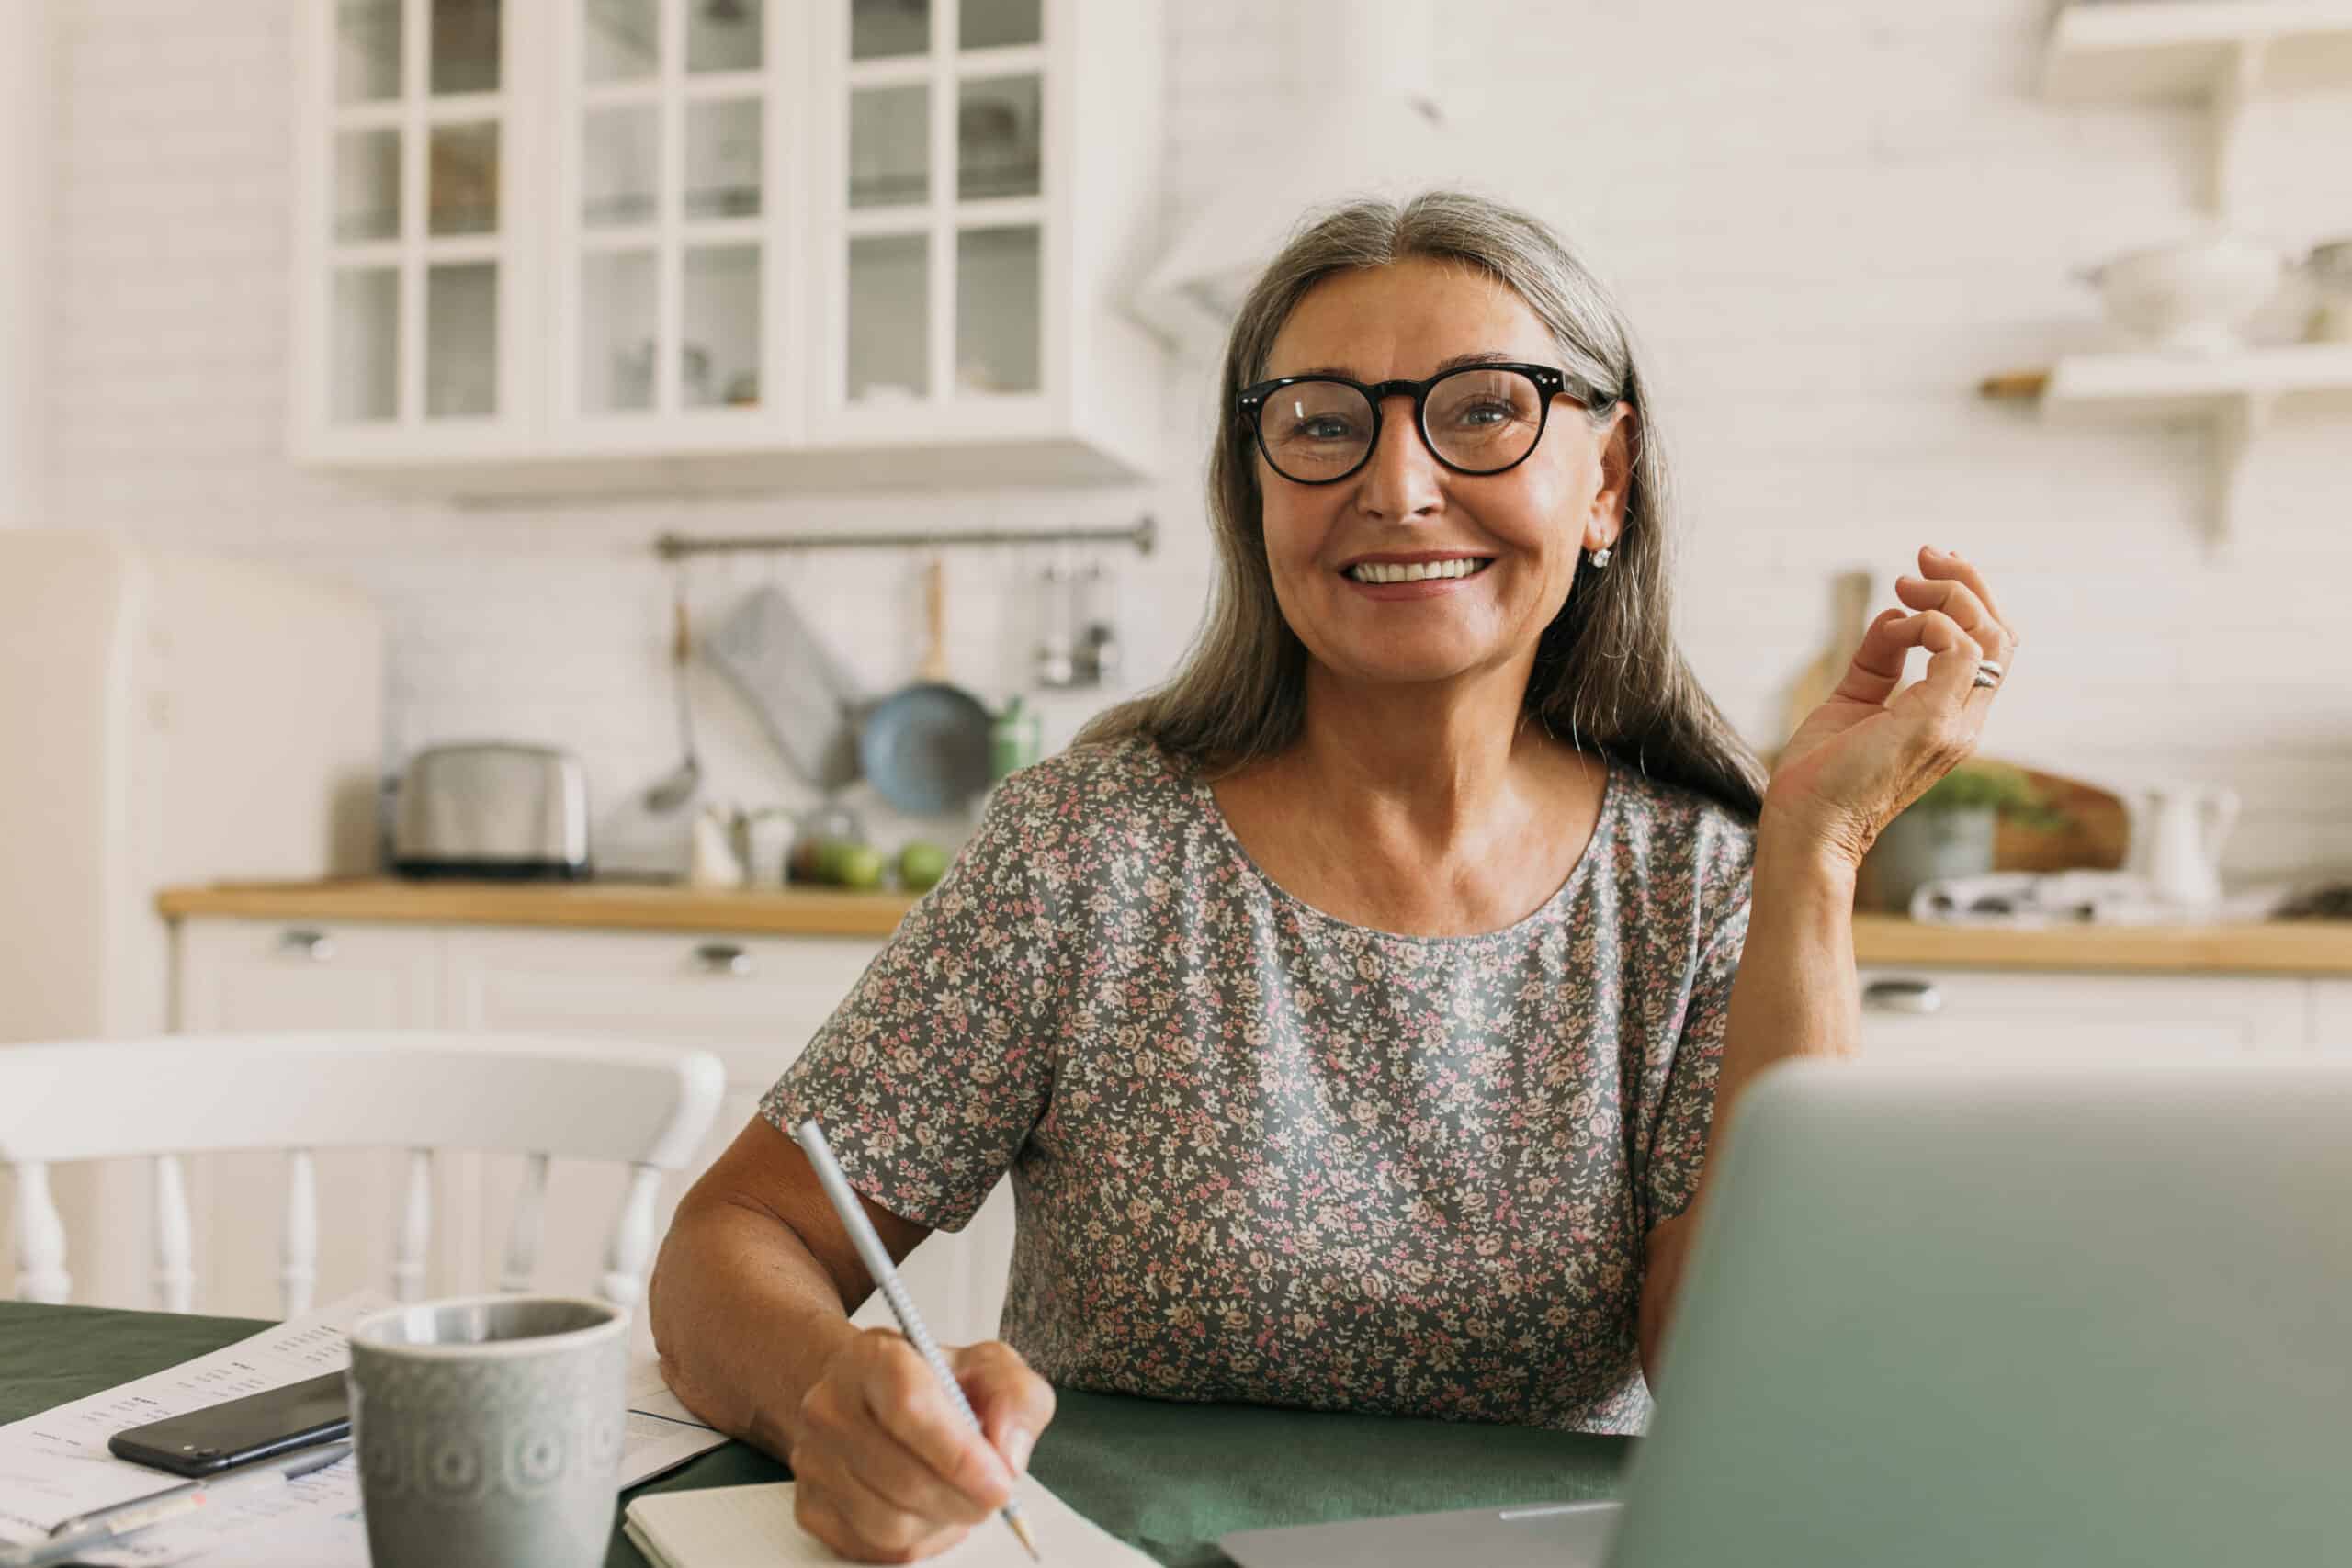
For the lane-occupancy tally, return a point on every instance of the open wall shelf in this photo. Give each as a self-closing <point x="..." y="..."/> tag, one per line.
<point x="2225" y="53"/>
<point x="2235" y="393"/>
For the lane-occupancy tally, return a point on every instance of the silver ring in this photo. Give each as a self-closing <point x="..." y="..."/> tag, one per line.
<point x="1993" y="665"/>
<point x="1988" y="675"/>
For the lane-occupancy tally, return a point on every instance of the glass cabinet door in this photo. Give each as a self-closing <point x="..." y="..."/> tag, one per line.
<point x="670" y="209"/>
<point x="942" y="203"/>
<point x="416" y="226"/>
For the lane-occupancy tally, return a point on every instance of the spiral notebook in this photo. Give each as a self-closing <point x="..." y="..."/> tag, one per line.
<point x="752" y="1527"/>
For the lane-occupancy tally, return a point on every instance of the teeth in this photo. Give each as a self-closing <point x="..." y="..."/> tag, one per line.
<point x="1375" y="572"/>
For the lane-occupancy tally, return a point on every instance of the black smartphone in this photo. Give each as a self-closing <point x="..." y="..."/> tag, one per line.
<point x="237" y="1432"/>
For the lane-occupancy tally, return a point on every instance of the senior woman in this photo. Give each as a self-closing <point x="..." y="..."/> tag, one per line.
<point x="1356" y="1014"/>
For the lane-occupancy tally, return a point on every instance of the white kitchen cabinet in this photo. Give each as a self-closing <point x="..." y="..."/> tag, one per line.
<point x="2331" y="1017"/>
<point x="974" y="169"/>
<point x="256" y="974"/>
<point x="245" y="976"/>
<point x="565" y="246"/>
<point x="753" y="1000"/>
<point x="2008" y="1014"/>
<point x="679" y="245"/>
<point x="414" y="244"/>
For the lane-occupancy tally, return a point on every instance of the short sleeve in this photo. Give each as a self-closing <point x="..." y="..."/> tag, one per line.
<point x="1677" y="1150"/>
<point x="930" y="1075"/>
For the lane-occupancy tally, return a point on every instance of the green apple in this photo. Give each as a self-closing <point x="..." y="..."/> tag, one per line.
<point x="921" y="865"/>
<point x="825" y="858"/>
<point x="859" y="865"/>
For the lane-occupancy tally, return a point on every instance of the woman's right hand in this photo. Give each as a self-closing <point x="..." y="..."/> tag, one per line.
<point x="888" y="1471"/>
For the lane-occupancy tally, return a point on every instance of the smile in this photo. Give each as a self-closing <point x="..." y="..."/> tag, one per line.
<point x="1417" y="571"/>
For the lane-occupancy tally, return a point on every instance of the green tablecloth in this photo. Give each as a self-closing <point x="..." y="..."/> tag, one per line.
<point x="1169" y="1478"/>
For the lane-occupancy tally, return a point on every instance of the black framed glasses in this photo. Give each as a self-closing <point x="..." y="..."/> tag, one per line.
<point x="1475" y="419"/>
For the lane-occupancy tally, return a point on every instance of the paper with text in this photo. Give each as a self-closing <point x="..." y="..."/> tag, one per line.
<point x="662" y="1433"/>
<point x="55" y="1464"/>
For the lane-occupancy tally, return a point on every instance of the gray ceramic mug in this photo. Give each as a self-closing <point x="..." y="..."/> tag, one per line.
<point x="489" y="1430"/>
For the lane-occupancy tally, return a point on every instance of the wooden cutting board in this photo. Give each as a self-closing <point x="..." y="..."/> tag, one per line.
<point x="2099" y="839"/>
<point x="2096" y="838"/>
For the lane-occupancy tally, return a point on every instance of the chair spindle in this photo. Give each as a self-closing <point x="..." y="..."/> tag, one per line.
<point x="416" y="1228"/>
<point x="523" y="1238"/>
<point x="298" y="1273"/>
<point x="175" y="1254"/>
<point x="40" y="1238"/>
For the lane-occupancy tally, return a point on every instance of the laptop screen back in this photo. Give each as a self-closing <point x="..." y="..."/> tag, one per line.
<point x="1949" y="1314"/>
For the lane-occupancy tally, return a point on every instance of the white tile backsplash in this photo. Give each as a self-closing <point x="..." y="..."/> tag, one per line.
<point x="1828" y="222"/>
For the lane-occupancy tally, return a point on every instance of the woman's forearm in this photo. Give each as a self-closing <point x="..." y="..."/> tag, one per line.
<point x="744" y="1317"/>
<point x="1794" y="995"/>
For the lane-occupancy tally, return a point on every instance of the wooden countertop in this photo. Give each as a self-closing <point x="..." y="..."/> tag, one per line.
<point x="2260" y="947"/>
<point x="623" y="905"/>
<point x="2278" y="947"/>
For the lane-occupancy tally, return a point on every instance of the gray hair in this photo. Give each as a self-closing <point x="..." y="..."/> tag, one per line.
<point x="1607" y="676"/>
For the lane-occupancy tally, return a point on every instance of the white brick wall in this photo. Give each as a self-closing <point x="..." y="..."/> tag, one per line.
<point x="1828" y="221"/>
<point x="24" y="189"/>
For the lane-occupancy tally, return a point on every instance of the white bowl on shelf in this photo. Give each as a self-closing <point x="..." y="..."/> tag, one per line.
<point x="2191" y="298"/>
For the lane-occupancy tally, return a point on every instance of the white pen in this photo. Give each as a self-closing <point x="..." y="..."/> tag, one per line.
<point x="811" y="1139"/>
<point x="104" y="1526"/>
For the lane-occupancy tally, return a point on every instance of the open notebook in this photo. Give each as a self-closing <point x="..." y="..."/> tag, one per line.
<point x="752" y="1527"/>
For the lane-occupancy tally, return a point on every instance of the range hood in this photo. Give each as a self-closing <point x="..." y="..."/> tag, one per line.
<point x="1365" y="122"/>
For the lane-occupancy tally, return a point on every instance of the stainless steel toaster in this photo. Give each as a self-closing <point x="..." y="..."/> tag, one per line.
<point x="491" y="809"/>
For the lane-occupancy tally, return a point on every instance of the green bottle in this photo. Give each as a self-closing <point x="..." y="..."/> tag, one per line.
<point x="1015" y="739"/>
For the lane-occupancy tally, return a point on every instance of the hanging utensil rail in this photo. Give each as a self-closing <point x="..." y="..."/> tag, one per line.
<point x="1141" y="535"/>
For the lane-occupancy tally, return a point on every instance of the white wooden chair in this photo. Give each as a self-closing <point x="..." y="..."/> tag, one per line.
<point x="646" y="1106"/>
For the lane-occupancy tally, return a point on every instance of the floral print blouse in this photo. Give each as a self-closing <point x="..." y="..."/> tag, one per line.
<point x="1260" y="1154"/>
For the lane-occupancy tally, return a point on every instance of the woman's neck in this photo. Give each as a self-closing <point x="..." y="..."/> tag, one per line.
<point x="1436" y="765"/>
<point x="1420" y="819"/>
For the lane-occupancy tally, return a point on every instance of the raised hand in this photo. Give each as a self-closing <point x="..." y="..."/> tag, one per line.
<point x="1869" y="751"/>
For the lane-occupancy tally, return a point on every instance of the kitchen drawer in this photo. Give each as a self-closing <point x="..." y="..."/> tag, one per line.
<point x="754" y="1000"/>
<point x="2010" y="1014"/>
<point x="247" y="976"/>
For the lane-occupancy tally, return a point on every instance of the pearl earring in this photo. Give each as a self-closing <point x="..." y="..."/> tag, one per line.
<point x="1601" y="555"/>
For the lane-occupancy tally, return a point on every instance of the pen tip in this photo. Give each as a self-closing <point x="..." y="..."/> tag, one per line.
<point x="1021" y="1528"/>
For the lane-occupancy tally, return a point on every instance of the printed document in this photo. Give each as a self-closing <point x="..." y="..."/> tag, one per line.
<point x="55" y="1464"/>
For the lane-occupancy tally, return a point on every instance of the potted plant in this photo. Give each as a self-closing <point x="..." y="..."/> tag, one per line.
<point x="1950" y="831"/>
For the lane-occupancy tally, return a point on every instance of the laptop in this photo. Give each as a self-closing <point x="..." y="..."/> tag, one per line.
<point x="1965" y="1311"/>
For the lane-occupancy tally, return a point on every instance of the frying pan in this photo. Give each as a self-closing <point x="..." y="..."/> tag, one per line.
<point x="926" y="746"/>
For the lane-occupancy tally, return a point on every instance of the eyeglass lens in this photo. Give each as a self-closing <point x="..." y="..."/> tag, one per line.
<point x="1479" y="421"/>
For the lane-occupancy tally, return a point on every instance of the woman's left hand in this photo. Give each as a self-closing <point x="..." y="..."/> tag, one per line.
<point x="1859" y="759"/>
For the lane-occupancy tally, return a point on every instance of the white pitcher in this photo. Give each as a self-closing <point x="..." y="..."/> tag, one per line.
<point x="2177" y="831"/>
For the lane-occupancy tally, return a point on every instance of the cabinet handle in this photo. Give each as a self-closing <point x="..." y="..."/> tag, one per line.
<point x="316" y="946"/>
<point x="723" y="958"/>
<point x="1902" y="996"/>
